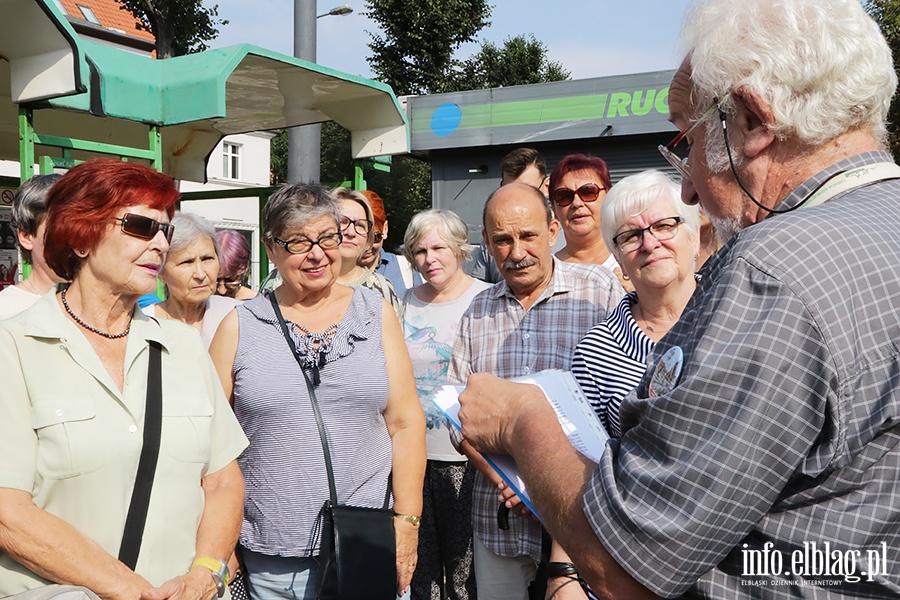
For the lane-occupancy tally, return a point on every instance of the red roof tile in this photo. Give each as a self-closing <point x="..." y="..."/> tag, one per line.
<point x="110" y="14"/>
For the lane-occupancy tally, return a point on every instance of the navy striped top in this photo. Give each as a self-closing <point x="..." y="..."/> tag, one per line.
<point x="284" y="468"/>
<point x="610" y="361"/>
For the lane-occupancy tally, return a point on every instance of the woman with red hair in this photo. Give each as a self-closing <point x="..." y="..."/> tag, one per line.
<point x="86" y="378"/>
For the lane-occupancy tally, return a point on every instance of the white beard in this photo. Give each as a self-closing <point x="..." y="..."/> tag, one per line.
<point x="725" y="228"/>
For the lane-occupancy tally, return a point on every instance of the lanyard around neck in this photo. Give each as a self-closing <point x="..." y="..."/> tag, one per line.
<point x="850" y="179"/>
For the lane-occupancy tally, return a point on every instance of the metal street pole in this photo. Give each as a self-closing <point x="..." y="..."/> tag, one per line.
<point x="304" y="143"/>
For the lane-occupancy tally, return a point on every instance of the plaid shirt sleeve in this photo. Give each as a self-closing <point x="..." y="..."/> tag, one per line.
<point x="460" y="362"/>
<point x="678" y="509"/>
<point x="783" y="427"/>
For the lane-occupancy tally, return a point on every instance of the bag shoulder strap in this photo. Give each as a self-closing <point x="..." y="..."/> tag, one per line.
<point x="406" y="271"/>
<point x="143" y="484"/>
<point x="332" y="489"/>
<point x="404" y="302"/>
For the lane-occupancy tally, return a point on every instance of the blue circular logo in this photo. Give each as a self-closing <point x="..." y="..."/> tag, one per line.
<point x="446" y="119"/>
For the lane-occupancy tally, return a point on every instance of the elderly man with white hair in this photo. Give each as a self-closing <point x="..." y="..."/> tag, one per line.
<point x="760" y="455"/>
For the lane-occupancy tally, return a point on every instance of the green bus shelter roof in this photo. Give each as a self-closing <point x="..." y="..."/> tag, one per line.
<point x="86" y="90"/>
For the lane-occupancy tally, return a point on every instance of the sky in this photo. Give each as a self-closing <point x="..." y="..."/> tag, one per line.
<point x="590" y="38"/>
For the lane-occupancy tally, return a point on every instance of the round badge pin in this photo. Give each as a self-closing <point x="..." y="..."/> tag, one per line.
<point x="668" y="370"/>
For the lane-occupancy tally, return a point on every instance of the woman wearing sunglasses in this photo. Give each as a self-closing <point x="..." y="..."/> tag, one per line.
<point x="578" y="185"/>
<point x="189" y="273"/>
<point x="75" y="403"/>
<point x="655" y="237"/>
<point x="350" y="345"/>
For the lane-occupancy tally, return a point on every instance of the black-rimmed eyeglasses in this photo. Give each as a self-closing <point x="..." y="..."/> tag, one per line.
<point x="145" y="228"/>
<point x="662" y="230"/>
<point x="361" y="226"/>
<point x="329" y="241"/>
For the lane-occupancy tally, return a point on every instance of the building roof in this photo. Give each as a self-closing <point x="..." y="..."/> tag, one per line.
<point x="110" y="15"/>
<point x="90" y="91"/>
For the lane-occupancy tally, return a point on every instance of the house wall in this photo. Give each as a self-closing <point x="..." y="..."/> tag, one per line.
<point x="235" y="213"/>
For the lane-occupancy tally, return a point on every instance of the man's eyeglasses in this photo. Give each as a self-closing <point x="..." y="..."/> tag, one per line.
<point x="589" y="192"/>
<point x="362" y="226"/>
<point x="328" y="241"/>
<point x="662" y="230"/>
<point x="668" y="151"/>
<point x="145" y="228"/>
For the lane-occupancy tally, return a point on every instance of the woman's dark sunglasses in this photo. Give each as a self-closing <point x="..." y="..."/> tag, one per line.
<point x="589" y="192"/>
<point x="145" y="227"/>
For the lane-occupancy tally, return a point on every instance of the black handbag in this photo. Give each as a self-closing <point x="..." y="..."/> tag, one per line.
<point x="358" y="554"/>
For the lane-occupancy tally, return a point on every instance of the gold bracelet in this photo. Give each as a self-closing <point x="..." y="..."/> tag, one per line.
<point x="409" y="519"/>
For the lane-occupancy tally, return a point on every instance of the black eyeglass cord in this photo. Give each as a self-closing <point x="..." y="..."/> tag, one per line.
<point x="737" y="178"/>
<point x="569" y="579"/>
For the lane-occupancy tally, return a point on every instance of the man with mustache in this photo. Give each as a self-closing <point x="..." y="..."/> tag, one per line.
<point x="528" y="322"/>
<point x="768" y="424"/>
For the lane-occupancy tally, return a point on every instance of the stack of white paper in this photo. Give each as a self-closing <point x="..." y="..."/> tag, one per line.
<point x="576" y="417"/>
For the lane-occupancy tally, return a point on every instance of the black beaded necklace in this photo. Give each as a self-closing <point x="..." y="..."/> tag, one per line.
<point x="88" y="327"/>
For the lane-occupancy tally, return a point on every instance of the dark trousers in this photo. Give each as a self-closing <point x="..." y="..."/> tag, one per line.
<point x="444" y="570"/>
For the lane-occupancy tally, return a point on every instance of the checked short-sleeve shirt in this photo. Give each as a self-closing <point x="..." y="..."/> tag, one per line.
<point x="498" y="336"/>
<point x="784" y="427"/>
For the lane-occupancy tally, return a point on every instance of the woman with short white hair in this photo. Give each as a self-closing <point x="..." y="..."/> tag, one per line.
<point x="655" y="238"/>
<point x="436" y="243"/>
<point x="189" y="273"/>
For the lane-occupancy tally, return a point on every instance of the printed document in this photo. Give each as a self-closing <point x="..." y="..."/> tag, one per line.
<point x="575" y="414"/>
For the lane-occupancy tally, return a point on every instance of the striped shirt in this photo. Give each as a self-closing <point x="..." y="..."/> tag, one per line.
<point x="610" y="361"/>
<point x="782" y="435"/>
<point x="497" y="335"/>
<point x="284" y="468"/>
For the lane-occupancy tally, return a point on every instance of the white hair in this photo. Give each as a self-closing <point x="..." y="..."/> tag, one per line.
<point x="190" y="227"/>
<point x="635" y="194"/>
<point x="450" y="227"/>
<point x="823" y="66"/>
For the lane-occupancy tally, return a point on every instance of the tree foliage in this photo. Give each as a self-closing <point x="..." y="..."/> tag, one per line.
<point x="887" y="14"/>
<point x="180" y="26"/>
<point x="520" y="61"/>
<point x="414" y="54"/>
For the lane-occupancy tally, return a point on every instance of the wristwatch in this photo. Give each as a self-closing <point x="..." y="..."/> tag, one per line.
<point x="219" y="570"/>
<point x="415" y="520"/>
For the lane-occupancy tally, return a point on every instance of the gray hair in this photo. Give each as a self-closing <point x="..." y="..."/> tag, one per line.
<point x="449" y="226"/>
<point x="294" y="205"/>
<point x="188" y="229"/>
<point x="823" y="66"/>
<point x="343" y="193"/>
<point x="635" y="194"/>
<point x="29" y="207"/>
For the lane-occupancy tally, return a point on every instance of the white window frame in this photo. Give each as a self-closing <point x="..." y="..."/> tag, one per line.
<point x="231" y="161"/>
<point x="88" y="14"/>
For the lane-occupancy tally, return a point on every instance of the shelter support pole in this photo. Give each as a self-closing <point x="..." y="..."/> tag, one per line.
<point x="26" y="144"/>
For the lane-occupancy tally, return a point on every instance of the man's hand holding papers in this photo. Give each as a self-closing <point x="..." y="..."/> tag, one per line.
<point x="492" y="411"/>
